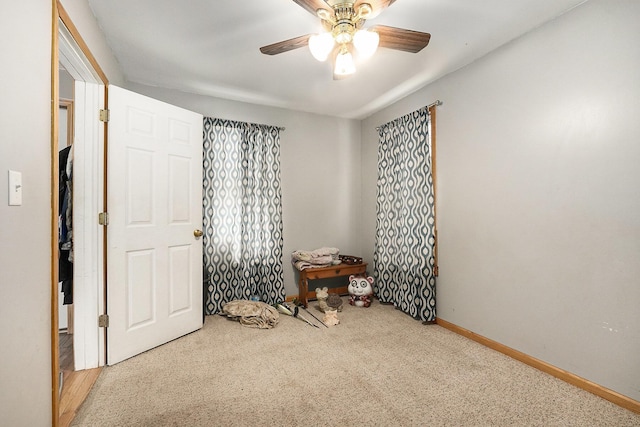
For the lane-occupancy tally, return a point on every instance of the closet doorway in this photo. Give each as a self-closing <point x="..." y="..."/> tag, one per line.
<point x="65" y="304"/>
<point x="79" y="86"/>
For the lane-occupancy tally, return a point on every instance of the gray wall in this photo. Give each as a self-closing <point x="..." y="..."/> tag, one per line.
<point x="539" y="193"/>
<point x="320" y="162"/>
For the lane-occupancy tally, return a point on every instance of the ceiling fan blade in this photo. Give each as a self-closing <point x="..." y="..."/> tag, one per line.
<point x="312" y="6"/>
<point x="377" y="6"/>
<point x="286" y="45"/>
<point x="401" y="39"/>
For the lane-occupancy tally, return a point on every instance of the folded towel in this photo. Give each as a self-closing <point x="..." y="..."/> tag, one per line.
<point x="302" y="265"/>
<point x="321" y="257"/>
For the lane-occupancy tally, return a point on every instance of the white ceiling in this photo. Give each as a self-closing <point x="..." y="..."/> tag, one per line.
<point x="211" y="47"/>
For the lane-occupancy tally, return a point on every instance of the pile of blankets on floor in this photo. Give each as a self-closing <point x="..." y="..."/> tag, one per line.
<point x="254" y="314"/>
<point x="322" y="257"/>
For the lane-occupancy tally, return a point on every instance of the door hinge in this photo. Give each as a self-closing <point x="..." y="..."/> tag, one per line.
<point x="104" y="115"/>
<point x="103" y="218"/>
<point x="103" y="321"/>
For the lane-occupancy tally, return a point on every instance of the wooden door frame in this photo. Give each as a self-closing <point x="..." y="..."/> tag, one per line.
<point x="60" y="15"/>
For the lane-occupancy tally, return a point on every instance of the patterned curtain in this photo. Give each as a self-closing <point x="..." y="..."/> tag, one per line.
<point x="405" y="239"/>
<point x="242" y="213"/>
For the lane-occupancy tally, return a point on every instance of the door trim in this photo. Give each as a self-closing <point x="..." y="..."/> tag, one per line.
<point x="55" y="90"/>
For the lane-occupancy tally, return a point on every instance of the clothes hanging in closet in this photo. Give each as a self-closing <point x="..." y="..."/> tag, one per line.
<point x="65" y="224"/>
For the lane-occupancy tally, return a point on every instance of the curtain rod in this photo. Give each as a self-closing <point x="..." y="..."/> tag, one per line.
<point x="249" y="123"/>
<point x="436" y="103"/>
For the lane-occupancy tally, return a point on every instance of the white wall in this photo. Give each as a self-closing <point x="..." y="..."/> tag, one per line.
<point x="66" y="82"/>
<point x="320" y="162"/>
<point x="25" y="127"/>
<point x="87" y="25"/>
<point x="25" y="235"/>
<point x="539" y="193"/>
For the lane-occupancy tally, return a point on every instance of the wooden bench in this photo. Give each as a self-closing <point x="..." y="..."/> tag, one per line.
<point x="325" y="273"/>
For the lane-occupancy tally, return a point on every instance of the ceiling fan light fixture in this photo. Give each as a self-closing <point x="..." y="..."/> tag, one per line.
<point x="364" y="11"/>
<point x="366" y="42"/>
<point x="321" y="46"/>
<point x="324" y="14"/>
<point x="344" y="63"/>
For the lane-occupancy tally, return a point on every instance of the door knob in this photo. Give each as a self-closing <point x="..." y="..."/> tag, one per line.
<point x="197" y="233"/>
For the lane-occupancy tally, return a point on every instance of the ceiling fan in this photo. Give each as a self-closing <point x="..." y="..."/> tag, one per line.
<point x="344" y="35"/>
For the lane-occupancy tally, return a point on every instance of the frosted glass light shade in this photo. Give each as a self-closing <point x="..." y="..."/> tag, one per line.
<point x="344" y="64"/>
<point x="366" y="42"/>
<point x="321" y="46"/>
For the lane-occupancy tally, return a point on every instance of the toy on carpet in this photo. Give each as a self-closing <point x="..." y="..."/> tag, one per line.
<point x="331" y="318"/>
<point x="295" y="312"/>
<point x="322" y="294"/>
<point x="299" y="304"/>
<point x="327" y="301"/>
<point x="334" y="302"/>
<point x="360" y="290"/>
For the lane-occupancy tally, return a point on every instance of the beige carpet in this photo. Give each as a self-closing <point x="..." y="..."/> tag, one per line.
<point x="379" y="367"/>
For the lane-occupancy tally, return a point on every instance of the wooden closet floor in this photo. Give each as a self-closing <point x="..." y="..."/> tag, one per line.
<point x="76" y="385"/>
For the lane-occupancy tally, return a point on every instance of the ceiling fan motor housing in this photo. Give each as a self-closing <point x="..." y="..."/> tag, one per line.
<point x="348" y="21"/>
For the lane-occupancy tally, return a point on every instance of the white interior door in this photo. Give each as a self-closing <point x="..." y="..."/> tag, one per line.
<point x="154" y="187"/>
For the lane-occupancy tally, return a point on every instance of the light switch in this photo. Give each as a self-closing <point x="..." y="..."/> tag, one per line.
<point x="15" y="188"/>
